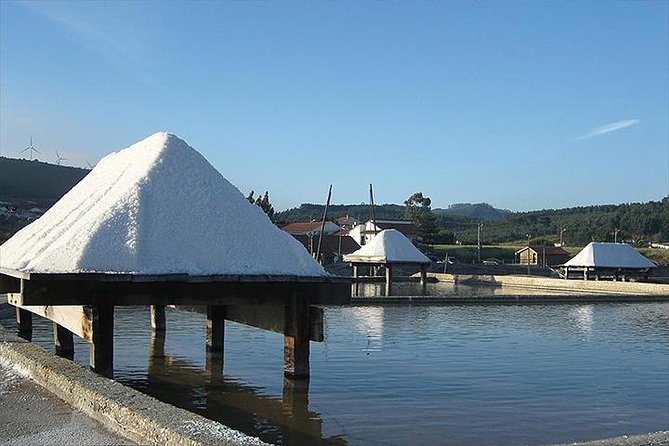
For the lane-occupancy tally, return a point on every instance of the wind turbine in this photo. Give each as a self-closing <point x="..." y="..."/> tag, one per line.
<point x="31" y="148"/>
<point x="59" y="158"/>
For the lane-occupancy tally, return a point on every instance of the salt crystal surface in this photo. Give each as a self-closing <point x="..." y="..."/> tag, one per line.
<point x="157" y="207"/>
<point x="390" y="245"/>
<point x="612" y="255"/>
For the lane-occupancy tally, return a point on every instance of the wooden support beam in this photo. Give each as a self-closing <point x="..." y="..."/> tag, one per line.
<point x="158" y="317"/>
<point x="75" y="318"/>
<point x="53" y="291"/>
<point x="63" y="340"/>
<point x="296" y="339"/>
<point x="24" y="320"/>
<point x="273" y="318"/>
<point x="215" y="328"/>
<point x="101" y="357"/>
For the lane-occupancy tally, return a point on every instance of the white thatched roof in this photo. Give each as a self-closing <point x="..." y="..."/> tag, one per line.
<point x="157" y="207"/>
<point x="389" y="246"/>
<point x="610" y="255"/>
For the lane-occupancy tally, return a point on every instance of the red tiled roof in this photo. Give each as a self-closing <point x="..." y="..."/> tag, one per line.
<point x="303" y="228"/>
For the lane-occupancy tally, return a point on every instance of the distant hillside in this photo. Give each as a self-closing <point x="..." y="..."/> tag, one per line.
<point x="457" y="216"/>
<point x="637" y="223"/>
<point x="361" y="212"/>
<point x="479" y="211"/>
<point x="34" y="180"/>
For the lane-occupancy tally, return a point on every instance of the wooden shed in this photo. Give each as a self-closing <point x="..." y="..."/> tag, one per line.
<point x="542" y="255"/>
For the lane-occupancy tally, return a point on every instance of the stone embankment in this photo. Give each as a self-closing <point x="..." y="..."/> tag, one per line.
<point x="545" y="283"/>
<point x="129" y="413"/>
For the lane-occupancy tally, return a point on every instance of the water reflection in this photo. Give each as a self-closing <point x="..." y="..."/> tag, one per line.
<point x="582" y="315"/>
<point x="209" y="392"/>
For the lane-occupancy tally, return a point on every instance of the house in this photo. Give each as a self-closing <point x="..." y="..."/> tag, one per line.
<point x="363" y="233"/>
<point x="333" y="246"/>
<point x="542" y="255"/>
<point x="346" y="221"/>
<point x="608" y="261"/>
<point x="311" y="228"/>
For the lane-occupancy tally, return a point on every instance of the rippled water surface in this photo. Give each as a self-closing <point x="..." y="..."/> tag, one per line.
<point x="419" y="375"/>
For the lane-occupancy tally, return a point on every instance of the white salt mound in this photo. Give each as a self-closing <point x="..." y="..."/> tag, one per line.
<point x="390" y="245"/>
<point x="610" y="255"/>
<point x="157" y="207"/>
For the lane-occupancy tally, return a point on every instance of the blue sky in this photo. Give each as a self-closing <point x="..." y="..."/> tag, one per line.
<point x="522" y="104"/>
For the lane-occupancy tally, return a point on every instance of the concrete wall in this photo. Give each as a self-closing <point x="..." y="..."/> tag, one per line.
<point x="603" y="287"/>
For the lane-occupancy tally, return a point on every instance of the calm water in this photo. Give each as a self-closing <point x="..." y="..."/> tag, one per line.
<point x="421" y="375"/>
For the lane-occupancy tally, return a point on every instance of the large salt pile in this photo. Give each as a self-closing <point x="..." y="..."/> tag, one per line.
<point x="389" y="246"/>
<point x="157" y="207"/>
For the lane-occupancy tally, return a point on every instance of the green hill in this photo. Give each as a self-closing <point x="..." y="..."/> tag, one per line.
<point x="34" y="180"/>
<point x="479" y="211"/>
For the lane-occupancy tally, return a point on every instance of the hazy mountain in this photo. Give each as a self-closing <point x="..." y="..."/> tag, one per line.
<point x="480" y="211"/>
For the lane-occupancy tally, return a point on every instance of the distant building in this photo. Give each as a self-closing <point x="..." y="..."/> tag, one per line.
<point x="333" y="246"/>
<point x="542" y="255"/>
<point x="363" y="233"/>
<point x="311" y="228"/>
<point x="346" y="222"/>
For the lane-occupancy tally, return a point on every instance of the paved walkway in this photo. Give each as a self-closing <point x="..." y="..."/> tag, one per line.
<point x="33" y="416"/>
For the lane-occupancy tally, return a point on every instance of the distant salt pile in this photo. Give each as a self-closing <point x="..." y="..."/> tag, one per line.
<point x="389" y="246"/>
<point x="157" y="207"/>
<point x="610" y="255"/>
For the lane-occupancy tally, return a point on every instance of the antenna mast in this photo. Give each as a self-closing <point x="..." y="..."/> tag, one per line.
<point x="371" y="204"/>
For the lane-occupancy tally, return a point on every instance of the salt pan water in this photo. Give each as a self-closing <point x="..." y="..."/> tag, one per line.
<point x="420" y="375"/>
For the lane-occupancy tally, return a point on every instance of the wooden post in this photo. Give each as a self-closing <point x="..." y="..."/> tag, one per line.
<point x="296" y="339"/>
<point x="389" y="279"/>
<point x="215" y="328"/>
<point x="158" y="317"/>
<point x="63" y="340"/>
<point x="423" y="274"/>
<point x="24" y="319"/>
<point x="102" y="346"/>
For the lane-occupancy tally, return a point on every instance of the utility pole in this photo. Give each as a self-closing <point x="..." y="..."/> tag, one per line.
<point x="478" y="236"/>
<point x="528" y="254"/>
<point x="615" y="235"/>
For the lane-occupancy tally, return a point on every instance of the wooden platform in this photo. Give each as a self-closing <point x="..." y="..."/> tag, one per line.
<point x="83" y="304"/>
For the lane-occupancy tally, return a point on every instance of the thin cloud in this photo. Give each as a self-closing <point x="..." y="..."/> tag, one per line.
<point x="101" y="43"/>
<point x="608" y="128"/>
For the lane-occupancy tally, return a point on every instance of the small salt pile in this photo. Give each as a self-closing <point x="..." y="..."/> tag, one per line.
<point x="156" y="207"/>
<point x="389" y="246"/>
